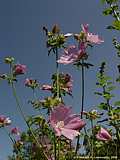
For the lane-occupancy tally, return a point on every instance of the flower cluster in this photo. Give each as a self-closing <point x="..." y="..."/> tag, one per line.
<point x="72" y="53"/>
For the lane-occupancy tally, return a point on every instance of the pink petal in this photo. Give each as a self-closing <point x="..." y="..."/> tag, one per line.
<point x="75" y="123"/>
<point x="69" y="133"/>
<point x="103" y="135"/>
<point x="60" y="113"/>
<point x="85" y="27"/>
<point x="94" y="38"/>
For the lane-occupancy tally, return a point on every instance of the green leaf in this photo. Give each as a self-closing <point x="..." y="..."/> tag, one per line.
<point x="110" y="88"/>
<point x="107" y="96"/>
<point x="98" y="93"/>
<point x="117" y="103"/>
<point x="103" y="106"/>
<point x="110" y="27"/>
<point x="107" y="11"/>
<point x="115" y="7"/>
<point x="116" y="24"/>
<point x="117" y="110"/>
<point x="118" y="79"/>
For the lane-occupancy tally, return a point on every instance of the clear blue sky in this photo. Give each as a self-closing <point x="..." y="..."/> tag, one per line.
<point x="21" y="36"/>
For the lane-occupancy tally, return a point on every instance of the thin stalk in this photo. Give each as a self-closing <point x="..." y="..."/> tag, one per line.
<point x="47" y="147"/>
<point x="57" y="74"/>
<point x="55" y="148"/>
<point x="59" y="148"/>
<point x="83" y="88"/>
<point x="24" y="117"/>
<point x="118" y="142"/>
<point x="92" y="150"/>
<point x="115" y="13"/>
<point x="58" y="95"/>
<point x="13" y="142"/>
<point x="82" y="101"/>
<point x="34" y="94"/>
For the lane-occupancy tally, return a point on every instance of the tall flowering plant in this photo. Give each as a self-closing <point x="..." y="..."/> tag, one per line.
<point x="56" y="132"/>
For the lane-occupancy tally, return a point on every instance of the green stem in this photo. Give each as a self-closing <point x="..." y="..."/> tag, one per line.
<point x="118" y="142"/>
<point x="57" y="74"/>
<point x="83" y="88"/>
<point x="59" y="142"/>
<point x="13" y="142"/>
<point x="82" y="102"/>
<point x="47" y="147"/>
<point x="114" y="11"/>
<point x="58" y="95"/>
<point x="92" y="150"/>
<point x="55" y="148"/>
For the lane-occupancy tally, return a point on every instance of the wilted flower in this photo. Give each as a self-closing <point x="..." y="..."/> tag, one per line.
<point x="72" y="54"/>
<point x="15" y="131"/>
<point x="65" y="123"/>
<point x="4" y="121"/>
<point x="66" y="83"/>
<point x="19" y="69"/>
<point x="18" y="144"/>
<point x="103" y="135"/>
<point x="90" y="37"/>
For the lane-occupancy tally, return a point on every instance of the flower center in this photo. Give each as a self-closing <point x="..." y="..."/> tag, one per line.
<point x="60" y="124"/>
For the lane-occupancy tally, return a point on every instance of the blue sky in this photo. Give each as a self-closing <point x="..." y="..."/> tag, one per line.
<point x="21" y="36"/>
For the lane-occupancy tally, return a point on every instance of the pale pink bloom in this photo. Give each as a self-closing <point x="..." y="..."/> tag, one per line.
<point x="103" y="135"/>
<point x="46" y="87"/>
<point x="19" y="69"/>
<point x="4" y="120"/>
<point x="92" y="38"/>
<point x="28" y="82"/>
<point x="15" y="131"/>
<point x="65" y="123"/>
<point x="72" y="54"/>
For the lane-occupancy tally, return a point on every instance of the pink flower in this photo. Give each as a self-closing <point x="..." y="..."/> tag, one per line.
<point x="72" y="54"/>
<point x="15" y="131"/>
<point x="103" y="135"/>
<point x="4" y="120"/>
<point x="32" y="83"/>
<point x="19" y="69"/>
<point x="92" y="38"/>
<point x="46" y="87"/>
<point x="28" y="82"/>
<point x="64" y="123"/>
